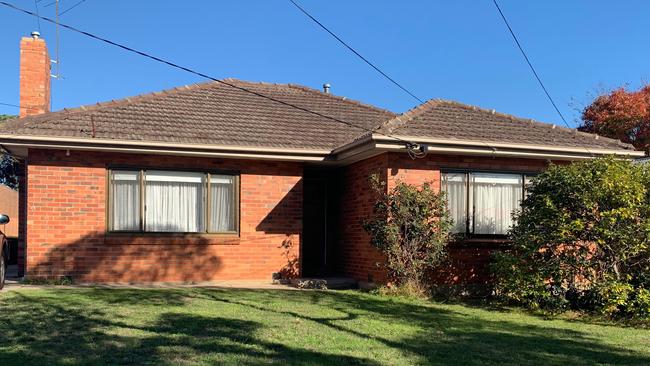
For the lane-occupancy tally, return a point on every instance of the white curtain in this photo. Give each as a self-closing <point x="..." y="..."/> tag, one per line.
<point x="455" y="186"/>
<point x="174" y="201"/>
<point x="126" y="200"/>
<point x="493" y="198"/>
<point x="222" y="203"/>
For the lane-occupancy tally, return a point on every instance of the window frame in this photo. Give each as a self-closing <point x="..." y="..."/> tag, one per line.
<point x="468" y="210"/>
<point x="206" y="200"/>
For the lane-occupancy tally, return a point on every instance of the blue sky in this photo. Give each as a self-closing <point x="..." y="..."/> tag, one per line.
<point x="456" y="50"/>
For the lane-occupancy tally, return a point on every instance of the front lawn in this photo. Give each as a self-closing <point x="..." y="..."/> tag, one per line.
<point x="246" y="327"/>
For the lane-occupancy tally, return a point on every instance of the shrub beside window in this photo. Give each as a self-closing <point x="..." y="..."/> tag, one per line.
<point x="581" y="240"/>
<point x="411" y="227"/>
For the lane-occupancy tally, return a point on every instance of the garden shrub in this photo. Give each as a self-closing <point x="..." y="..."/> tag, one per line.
<point x="581" y="240"/>
<point x="410" y="226"/>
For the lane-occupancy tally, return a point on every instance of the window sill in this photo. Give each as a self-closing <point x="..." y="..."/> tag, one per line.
<point x="484" y="242"/>
<point x="144" y="238"/>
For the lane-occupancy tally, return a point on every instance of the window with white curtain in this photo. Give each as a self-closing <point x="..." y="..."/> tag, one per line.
<point x="125" y="190"/>
<point x="455" y="184"/>
<point x="171" y="201"/>
<point x="222" y="212"/>
<point x="483" y="203"/>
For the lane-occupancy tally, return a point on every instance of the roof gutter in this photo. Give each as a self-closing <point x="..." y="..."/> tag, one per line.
<point x="368" y="145"/>
<point x="164" y="148"/>
<point x="378" y="143"/>
<point x="589" y="151"/>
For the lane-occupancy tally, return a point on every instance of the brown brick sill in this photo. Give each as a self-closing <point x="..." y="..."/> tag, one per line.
<point x="491" y="243"/>
<point x="116" y="238"/>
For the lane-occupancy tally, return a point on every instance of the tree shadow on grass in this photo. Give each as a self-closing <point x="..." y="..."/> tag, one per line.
<point x="445" y="336"/>
<point x="76" y="326"/>
<point x="38" y="330"/>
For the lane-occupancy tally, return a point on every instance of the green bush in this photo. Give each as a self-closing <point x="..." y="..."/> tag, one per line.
<point x="581" y="240"/>
<point x="641" y="304"/>
<point x="410" y="226"/>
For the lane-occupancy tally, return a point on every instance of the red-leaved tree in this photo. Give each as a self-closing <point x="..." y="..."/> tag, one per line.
<point x="622" y="115"/>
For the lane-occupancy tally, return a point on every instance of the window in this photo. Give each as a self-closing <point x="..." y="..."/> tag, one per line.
<point x="482" y="203"/>
<point x="168" y="201"/>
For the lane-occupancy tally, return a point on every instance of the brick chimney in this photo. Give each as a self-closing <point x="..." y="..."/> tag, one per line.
<point x="34" y="76"/>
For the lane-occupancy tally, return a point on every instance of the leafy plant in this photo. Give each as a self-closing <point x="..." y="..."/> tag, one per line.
<point x="581" y="240"/>
<point x="8" y="164"/>
<point x="410" y="226"/>
<point x="621" y="114"/>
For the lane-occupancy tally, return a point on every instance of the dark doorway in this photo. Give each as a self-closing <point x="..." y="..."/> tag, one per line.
<point x="316" y="238"/>
<point x="13" y="250"/>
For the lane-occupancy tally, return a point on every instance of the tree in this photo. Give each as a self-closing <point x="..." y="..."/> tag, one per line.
<point x="582" y="240"/>
<point x="8" y="164"/>
<point x="623" y="115"/>
<point x="410" y="226"/>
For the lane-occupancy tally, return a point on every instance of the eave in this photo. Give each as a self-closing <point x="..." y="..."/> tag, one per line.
<point x="379" y="143"/>
<point x="18" y="145"/>
<point x="363" y="148"/>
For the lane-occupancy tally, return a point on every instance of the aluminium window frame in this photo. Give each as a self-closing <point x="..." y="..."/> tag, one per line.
<point x="142" y="194"/>
<point x="468" y="209"/>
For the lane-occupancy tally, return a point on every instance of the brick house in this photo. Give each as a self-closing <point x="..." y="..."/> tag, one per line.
<point x="241" y="181"/>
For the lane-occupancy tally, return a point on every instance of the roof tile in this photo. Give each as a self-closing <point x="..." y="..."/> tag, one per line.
<point x="442" y="119"/>
<point x="216" y="114"/>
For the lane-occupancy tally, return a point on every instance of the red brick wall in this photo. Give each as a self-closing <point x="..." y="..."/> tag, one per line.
<point x="34" y="77"/>
<point x="467" y="263"/>
<point x="354" y="254"/>
<point x="66" y="223"/>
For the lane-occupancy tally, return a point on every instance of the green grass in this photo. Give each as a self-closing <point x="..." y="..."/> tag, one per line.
<point x="246" y="327"/>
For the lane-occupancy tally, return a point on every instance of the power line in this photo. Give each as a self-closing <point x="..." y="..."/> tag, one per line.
<point x="539" y="80"/>
<point x="355" y="51"/>
<point x="10" y="105"/>
<point x="17" y="106"/>
<point x="72" y="7"/>
<point x="174" y="65"/>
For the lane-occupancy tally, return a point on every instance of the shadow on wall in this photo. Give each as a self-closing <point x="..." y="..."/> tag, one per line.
<point x="285" y="219"/>
<point x="171" y="257"/>
<point x="101" y="257"/>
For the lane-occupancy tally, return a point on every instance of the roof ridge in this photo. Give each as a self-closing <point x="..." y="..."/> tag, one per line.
<point x="401" y="119"/>
<point x="341" y="98"/>
<point x="187" y="87"/>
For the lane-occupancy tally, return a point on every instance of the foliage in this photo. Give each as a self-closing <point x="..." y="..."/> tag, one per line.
<point x="9" y="167"/>
<point x="63" y="281"/>
<point x="411" y="227"/>
<point x="623" y="115"/>
<point x="8" y="164"/>
<point x="581" y="240"/>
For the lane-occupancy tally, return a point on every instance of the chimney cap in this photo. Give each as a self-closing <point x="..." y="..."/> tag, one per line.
<point x="326" y="88"/>
<point x="36" y="34"/>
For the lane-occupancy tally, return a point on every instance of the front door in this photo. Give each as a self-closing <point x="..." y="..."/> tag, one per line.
<point x="314" y="247"/>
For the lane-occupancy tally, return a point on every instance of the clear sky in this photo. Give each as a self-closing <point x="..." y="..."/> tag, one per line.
<point x="456" y="50"/>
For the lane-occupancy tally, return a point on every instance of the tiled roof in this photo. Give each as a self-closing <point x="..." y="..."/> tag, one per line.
<point x="214" y="114"/>
<point x="441" y="119"/>
<point x="217" y="114"/>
